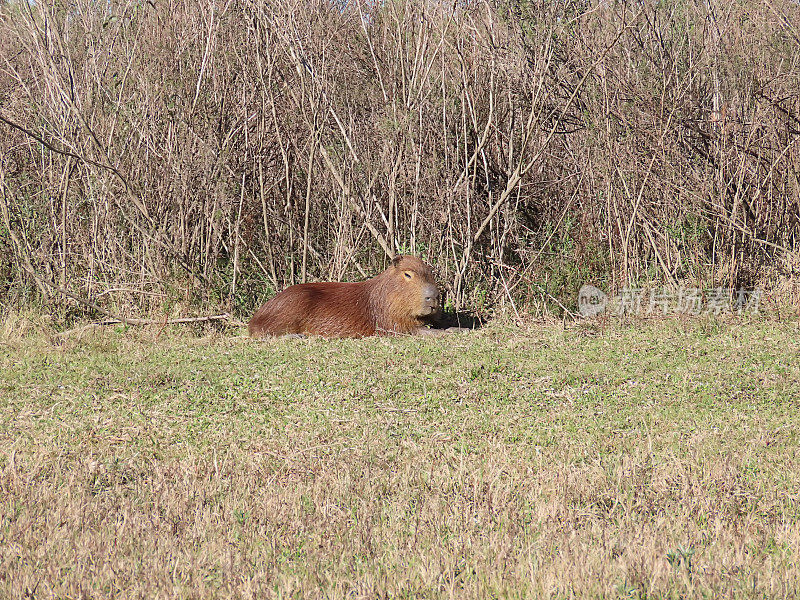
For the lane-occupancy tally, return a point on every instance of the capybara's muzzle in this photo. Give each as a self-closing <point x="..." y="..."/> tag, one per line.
<point x="430" y="299"/>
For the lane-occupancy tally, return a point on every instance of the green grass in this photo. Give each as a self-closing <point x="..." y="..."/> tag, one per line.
<point x="647" y="460"/>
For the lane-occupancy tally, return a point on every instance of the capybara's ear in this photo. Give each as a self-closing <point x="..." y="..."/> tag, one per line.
<point x="396" y="260"/>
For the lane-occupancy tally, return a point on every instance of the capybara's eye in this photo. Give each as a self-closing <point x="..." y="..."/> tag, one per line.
<point x="407" y="274"/>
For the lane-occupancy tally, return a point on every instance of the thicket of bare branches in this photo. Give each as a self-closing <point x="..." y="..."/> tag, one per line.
<point x="176" y="151"/>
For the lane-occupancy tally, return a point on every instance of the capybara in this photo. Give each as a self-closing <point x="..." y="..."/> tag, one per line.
<point x="398" y="301"/>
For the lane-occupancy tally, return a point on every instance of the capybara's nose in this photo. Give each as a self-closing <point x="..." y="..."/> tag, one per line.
<point x="431" y="293"/>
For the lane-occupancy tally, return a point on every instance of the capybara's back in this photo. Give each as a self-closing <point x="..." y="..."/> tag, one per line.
<point x="396" y="301"/>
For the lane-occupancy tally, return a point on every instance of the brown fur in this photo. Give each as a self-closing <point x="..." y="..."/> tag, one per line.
<point x="399" y="300"/>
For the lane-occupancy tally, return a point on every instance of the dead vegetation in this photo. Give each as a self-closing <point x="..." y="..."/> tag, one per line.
<point x="161" y="155"/>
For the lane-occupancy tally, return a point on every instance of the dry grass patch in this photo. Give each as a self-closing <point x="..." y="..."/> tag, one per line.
<point x="633" y="460"/>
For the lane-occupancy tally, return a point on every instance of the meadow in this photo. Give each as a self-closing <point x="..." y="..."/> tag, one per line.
<point x="614" y="459"/>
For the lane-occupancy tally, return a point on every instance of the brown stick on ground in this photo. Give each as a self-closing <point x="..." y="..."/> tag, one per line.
<point x="114" y="318"/>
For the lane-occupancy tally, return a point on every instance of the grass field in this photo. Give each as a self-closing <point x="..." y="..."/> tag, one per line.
<point x="647" y="460"/>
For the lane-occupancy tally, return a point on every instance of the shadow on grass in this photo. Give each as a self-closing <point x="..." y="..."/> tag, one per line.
<point x="451" y="318"/>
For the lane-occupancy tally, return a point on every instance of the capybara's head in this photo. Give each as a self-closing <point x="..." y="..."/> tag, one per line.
<point x="414" y="290"/>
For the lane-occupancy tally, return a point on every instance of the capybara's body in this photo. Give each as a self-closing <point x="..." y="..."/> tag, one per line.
<point x="399" y="300"/>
